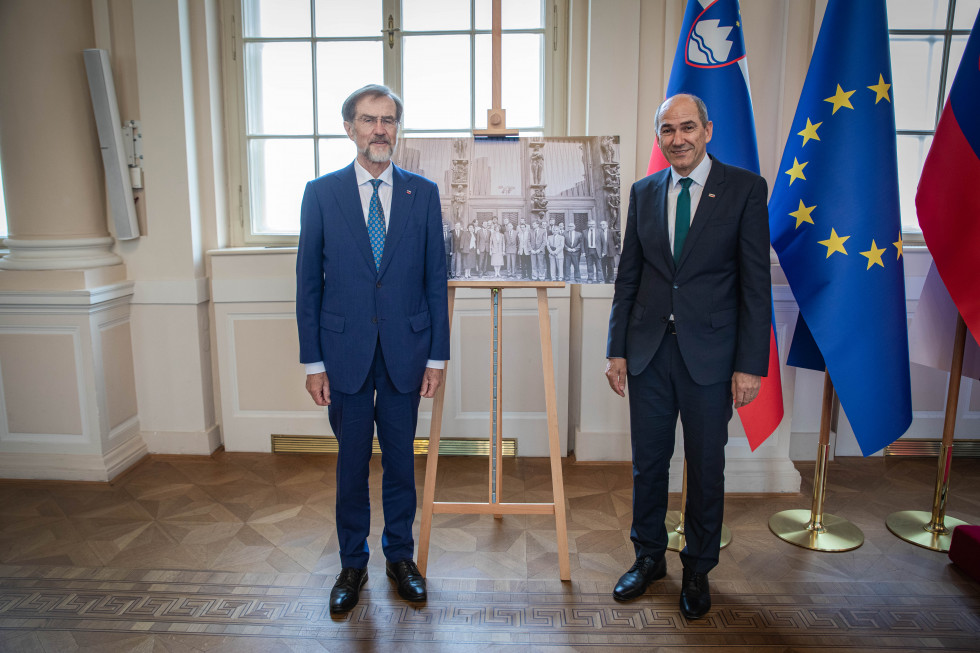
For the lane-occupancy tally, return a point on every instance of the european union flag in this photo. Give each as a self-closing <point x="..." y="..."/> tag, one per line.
<point x="835" y="222"/>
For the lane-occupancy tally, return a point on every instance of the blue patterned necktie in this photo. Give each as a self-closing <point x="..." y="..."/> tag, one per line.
<point x="376" y="225"/>
<point x="682" y="223"/>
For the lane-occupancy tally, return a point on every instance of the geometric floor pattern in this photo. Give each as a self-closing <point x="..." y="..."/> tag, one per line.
<point x="236" y="552"/>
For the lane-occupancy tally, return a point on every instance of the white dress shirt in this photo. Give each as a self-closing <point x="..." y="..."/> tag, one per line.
<point x="699" y="175"/>
<point x="366" y="190"/>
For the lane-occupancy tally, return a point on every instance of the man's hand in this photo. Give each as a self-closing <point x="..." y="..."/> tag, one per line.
<point x="431" y="381"/>
<point x="319" y="388"/>
<point x="616" y="375"/>
<point x="745" y="388"/>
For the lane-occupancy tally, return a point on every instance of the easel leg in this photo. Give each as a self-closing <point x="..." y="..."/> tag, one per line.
<point x="496" y="398"/>
<point x="551" y="403"/>
<point x="432" y="459"/>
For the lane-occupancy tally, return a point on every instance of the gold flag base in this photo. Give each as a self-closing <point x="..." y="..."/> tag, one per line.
<point x="675" y="531"/>
<point x="836" y="534"/>
<point x="914" y="526"/>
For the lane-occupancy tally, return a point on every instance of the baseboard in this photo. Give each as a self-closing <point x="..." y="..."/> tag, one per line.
<point x="73" y="467"/>
<point x="605" y="446"/>
<point x="742" y="475"/>
<point x="197" y="443"/>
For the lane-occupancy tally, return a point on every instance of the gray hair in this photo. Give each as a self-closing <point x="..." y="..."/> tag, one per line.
<point x="702" y="109"/>
<point x="371" y="90"/>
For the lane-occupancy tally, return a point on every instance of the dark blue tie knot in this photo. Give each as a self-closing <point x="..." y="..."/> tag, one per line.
<point x="375" y="183"/>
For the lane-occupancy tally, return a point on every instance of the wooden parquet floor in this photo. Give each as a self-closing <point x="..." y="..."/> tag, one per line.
<point x="237" y="552"/>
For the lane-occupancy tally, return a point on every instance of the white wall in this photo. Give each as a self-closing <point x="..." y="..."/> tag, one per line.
<point x="212" y="337"/>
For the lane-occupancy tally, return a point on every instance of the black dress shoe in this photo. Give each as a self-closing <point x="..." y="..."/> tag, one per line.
<point x="695" y="595"/>
<point x="635" y="581"/>
<point x="408" y="579"/>
<point x="347" y="589"/>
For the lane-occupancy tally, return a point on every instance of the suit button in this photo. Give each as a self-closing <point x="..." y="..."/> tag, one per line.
<point x="374" y="320"/>
<point x="676" y="287"/>
<point x="379" y="284"/>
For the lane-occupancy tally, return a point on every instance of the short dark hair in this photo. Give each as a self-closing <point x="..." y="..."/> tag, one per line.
<point x="371" y="90"/>
<point x="698" y="102"/>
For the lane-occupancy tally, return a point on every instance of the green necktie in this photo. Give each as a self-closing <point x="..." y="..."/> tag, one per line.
<point x="682" y="223"/>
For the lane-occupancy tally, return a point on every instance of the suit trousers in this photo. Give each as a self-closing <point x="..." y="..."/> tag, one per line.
<point x="656" y="395"/>
<point x="352" y="417"/>
<point x="593" y="265"/>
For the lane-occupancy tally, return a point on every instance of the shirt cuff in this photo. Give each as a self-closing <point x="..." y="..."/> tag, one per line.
<point x="436" y="365"/>
<point x="315" y="368"/>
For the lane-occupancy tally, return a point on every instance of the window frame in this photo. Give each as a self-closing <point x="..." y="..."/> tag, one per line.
<point x="553" y="88"/>
<point x="947" y="33"/>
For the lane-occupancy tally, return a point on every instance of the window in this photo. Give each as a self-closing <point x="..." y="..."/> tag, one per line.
<point x="928" y="38"/>
<point x="296" y="61"/>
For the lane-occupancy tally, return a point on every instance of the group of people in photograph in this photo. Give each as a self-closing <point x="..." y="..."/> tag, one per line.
<point x="540" y="251"/>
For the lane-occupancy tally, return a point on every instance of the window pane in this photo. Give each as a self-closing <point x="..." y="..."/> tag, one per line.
<point x="917" y="14"/>
<point x="514" y="14"/>
<point x="276" y="18"/>
<point x="345" y="18"/>
<point x="278" y="172"/>
<point x="912" y="152"/>
<point x="435" y="15"/>
<point x="521" y="56"/>
<point x="483" y="72"/>
<point x="521" y="59"/>
<point x="436" y="82"/>
<point x="342" y="67"/>
<point x="335" y="153"/>
<point x="957" y="45"/>
<point x="279" y="88"/>
<point x="916" y="62"/>
<point x="966" y="14"/>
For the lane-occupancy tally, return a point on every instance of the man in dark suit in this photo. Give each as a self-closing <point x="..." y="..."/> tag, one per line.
<point x="447" y="237"/>
<point x="689" y="330"/>
<point x="593" y="252"/>
<point x="371" y="306"/>
<point x="608" y="249"/>
<point x="573" y="254"/>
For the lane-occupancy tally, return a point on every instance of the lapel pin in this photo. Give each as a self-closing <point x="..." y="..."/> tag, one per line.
<point x="711" y="194"/>
<point x="408" y="192"/>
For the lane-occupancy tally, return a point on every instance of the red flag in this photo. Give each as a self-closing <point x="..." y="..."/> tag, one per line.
<point x="947" y="201"/>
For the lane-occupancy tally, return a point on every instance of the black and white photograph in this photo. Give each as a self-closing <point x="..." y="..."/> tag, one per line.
<point x="525" y="209"/>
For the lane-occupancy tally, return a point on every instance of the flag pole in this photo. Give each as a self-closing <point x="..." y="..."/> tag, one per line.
<point x="675" y="522"/>
<point x="935" y="530"/>
<point x="814" y="529"/>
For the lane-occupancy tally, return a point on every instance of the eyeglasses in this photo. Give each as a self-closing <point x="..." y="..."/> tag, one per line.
<point x="369" y="121"/>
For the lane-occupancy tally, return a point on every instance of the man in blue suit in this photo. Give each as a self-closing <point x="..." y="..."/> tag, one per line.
<point x="689" y="330"/>
<point x="372" y="311"/>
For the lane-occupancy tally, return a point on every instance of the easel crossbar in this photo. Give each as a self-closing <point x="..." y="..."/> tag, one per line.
<point x="446" y="507"/>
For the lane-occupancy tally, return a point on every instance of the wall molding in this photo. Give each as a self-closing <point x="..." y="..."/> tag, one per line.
<point x="73" y="467"/>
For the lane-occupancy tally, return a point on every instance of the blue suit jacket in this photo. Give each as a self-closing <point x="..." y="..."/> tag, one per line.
<point x="720" y="291"/>
<point x="344" y="306"/>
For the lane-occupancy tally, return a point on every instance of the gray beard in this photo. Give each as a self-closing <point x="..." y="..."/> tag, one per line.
<point x="383" y="157"/>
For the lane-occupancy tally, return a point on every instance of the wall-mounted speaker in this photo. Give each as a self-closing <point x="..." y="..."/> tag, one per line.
<point x="117" y="177"/>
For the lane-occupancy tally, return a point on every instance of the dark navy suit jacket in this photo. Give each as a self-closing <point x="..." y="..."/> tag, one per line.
<point x="344" y="306"/>
<point x="719" y="292"/>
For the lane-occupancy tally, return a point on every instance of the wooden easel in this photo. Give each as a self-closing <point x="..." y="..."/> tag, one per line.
<point x="494" y="506"/>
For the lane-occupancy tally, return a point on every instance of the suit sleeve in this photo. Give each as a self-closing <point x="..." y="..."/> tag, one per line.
<point x="627" y="284"/>
<point x="309" y="277"/>
<point x="436" y="294"/>
<point x="754" y="285"/>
